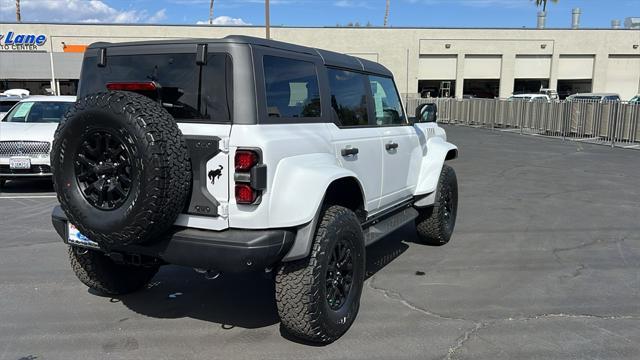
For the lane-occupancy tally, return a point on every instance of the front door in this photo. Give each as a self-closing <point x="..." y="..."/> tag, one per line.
<point x="401" y="151"/>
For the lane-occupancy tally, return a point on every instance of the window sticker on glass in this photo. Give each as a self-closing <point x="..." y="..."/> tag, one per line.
<point x="378" y="95"/>
<point x="23" y="109"/>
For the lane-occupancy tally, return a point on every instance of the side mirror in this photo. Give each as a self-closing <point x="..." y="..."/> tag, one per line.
<point x="426" y="113"/>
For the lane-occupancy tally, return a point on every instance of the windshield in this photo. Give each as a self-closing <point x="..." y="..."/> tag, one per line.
<point x="7" y="105"/>
<point x="38" y="112"/>
<point x="521" y="98"/>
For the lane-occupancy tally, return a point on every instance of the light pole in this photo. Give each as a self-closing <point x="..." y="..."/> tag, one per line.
<point x="18" y="15"/>
<point x="266" y="20"/>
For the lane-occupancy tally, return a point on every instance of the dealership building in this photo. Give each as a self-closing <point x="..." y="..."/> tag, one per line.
<point x="432" y="61"/>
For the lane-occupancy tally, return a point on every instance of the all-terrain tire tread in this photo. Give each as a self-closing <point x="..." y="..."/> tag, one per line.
<point x="430" y="223"/>
<point x="97" y="271"/>
<point x="162" y="149"/>
<point x="297" y="283"/>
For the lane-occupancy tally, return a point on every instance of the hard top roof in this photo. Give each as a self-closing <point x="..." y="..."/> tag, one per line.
<point x="328" y="57"/>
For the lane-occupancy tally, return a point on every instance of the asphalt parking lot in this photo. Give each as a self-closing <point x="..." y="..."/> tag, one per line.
<point x="544" y="264"/>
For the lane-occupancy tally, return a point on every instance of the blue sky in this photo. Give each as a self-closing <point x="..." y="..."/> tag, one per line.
<point x="422" y="13"/>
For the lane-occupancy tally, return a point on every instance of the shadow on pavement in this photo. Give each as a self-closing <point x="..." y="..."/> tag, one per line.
<point x="242" y="300"/>
<point x="27" y="186"/>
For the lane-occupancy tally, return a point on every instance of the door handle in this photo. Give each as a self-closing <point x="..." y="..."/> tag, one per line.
<point x="390" y="146"/>
<point x="349" y="151"/>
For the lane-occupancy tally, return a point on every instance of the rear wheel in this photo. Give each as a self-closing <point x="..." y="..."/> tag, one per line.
<point x="435" y="223"/>
<point x="318" y="297"/>
<point x="99" y="272"/>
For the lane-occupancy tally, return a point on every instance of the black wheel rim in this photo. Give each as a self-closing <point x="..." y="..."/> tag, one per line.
<point x="339" y="276"/>
<point x="449" y="211"/>
<point x="103" y="169"/>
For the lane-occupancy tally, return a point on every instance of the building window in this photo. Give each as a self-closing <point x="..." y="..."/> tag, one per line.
<point x="528" y="86"/>
<point x="482" y="88"/>
<point x="437" y="88"/>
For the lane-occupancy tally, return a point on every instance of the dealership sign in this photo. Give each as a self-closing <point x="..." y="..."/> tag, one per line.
<point x="21" y="42"/>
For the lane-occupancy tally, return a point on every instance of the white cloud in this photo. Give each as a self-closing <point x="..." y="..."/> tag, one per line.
<point x="90" y="11"/>
<point x="224" y="20"/>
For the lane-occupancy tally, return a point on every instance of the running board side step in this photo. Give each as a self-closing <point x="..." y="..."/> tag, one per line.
<point x="384" y="227"/>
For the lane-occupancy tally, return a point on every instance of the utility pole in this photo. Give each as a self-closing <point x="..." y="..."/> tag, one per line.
<point x="386" y="13"/>
<point x="266" y="20"/>
<point x="211" y="12"/>
<point x="18" y="16"/>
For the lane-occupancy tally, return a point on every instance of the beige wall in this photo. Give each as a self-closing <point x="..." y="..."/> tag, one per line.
<point x="403" y="49"/>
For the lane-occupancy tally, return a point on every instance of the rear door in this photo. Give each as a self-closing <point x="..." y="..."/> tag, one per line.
<point x="195" y="88"/>
<point x="357" y="144"/>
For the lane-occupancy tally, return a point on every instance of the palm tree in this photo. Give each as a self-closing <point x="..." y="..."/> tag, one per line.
<point x="386" y="14"/>
<point x="544" y="4"/>
<point x="18" y="16"/>
<point x="211" y="12"/>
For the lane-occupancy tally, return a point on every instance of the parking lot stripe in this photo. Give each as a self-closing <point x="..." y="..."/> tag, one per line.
<point x="29" y="197"/>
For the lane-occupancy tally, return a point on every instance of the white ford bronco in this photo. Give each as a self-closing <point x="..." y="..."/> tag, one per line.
<point x="243" y="154"/>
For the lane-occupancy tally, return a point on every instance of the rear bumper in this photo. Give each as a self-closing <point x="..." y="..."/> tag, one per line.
<point x="231" y="250"/>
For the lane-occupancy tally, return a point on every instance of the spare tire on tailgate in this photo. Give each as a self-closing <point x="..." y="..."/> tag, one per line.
<point x="121" y="168"/>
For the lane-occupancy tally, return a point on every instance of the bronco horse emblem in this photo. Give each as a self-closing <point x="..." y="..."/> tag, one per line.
<point x="215" y="174"/>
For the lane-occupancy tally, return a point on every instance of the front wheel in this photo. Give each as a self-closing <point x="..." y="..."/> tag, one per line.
<point x="318" y="297"/>
<point x="435" y="224"/>
<point x="100" y="273"/>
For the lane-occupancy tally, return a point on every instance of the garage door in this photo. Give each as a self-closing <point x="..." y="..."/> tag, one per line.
<point x="575" y="67"/>
<point x="437" y="67"/>
<point x="482" y="66"/>
<point x="623" y="76"/>
<point x="532" y="67"/>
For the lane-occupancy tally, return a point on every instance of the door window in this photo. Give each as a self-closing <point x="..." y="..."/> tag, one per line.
<point x="291" y="88"/>
<point x="387" y="105"/>
<point x="348" y="97"/>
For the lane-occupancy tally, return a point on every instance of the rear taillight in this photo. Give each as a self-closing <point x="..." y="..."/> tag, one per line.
<point x="133" y="86"/>
<point x="245" y="160"/>
<point x="245" y="194"/>
<point x="250" y="176"/>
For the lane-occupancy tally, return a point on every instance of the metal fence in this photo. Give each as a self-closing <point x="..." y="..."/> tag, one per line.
<point x="607" y="123"/>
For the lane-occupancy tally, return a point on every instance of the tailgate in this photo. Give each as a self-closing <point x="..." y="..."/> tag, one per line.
<point x="209" y="202"/>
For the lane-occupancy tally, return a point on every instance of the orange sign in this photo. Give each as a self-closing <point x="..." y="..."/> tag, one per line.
<point x="74" y="48"/>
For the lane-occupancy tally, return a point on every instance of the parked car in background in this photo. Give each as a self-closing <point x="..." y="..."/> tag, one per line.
<point x="594" y="97"/>
<point x="9" y="98"/>
<point x="552" y="93"/>
<point x="26" y="133"/>
<point x="530" y="98"/>
<point x="635" y="100"/>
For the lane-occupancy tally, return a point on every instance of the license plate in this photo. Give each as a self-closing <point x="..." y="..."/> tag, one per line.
<point x="76" y="238"/>
<point x="19" y="163"/>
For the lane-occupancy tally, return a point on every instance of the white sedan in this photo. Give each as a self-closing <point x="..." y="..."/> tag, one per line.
<point x="26" y="134"/>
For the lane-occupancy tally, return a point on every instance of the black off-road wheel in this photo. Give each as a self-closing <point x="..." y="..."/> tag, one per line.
<point x="435" y="224"/>
<point x="318" y="297"/>
<point x="100" y="273"/>
<point x="120" y="168"/>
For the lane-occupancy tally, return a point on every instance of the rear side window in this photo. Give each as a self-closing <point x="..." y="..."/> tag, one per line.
<point x="349" y="97"/>
<point x="185" y="91"/>
<point x="291" y="88"/>
<point x="387" y="105"/>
